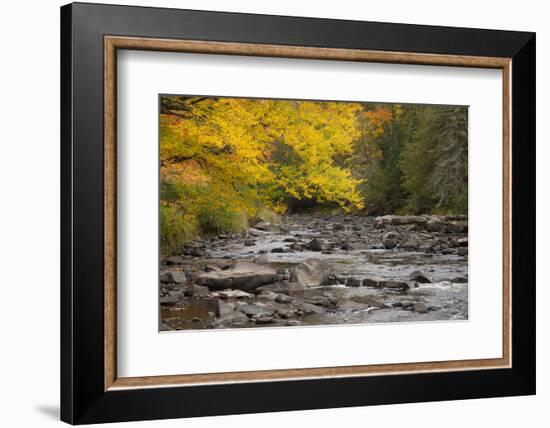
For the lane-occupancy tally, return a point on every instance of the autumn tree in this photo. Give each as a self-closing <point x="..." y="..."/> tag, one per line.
<point x="227" y="161"/>
<point x="224" y="160"/>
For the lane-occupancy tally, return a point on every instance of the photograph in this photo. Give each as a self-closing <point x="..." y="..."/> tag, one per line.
<point x="262" y="211"/>
<point x="282" y="212"/>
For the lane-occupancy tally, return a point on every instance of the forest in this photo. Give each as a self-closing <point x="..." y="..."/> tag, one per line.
<point x="225" y="163"/>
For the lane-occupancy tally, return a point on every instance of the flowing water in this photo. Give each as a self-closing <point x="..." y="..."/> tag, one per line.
<point x="446" y="296"/>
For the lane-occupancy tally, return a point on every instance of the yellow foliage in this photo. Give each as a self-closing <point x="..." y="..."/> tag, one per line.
<point x="254" y="153"/>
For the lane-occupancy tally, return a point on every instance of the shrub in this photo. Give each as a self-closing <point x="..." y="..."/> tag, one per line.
<point x="176" y="229"/>
<point x="216" y="216"/>
<point x="267" y="215"/>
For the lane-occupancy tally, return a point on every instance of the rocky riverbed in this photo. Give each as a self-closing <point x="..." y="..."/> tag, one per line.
<point x="319" y="270"/>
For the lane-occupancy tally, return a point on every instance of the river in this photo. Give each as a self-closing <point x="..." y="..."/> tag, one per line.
<point x="353" y="249"/>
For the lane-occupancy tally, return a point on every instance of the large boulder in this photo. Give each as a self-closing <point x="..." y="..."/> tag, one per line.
<point x="399" y="220"/>
<point x="310" y="273"/>
<point x="244" y="276"/>
<point x="173" y="277"/>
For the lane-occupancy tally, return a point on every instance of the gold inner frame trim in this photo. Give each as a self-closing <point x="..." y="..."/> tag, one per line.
<point x="113" y="43"/>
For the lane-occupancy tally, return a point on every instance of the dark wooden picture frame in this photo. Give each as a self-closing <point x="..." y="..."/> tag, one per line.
<point x="90" y="389"/>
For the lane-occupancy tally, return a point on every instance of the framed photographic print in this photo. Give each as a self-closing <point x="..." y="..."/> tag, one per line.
<point x="266" y="213"/>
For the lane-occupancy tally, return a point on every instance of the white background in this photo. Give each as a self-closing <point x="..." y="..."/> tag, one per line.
<point x="29" y="226"/>
<point x="142" y="351"/>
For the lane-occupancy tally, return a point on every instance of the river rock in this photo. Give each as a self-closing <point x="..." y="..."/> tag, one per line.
<point x="371" y="282"/>
<point x="393" y="284"/>
<point x="296" y="246"/>
<point x="309" y="308"/>
<point x="224" y="308"/>
<point x="252" y="310"/>
<point x="350" y="305"/>
<point x="462" y="251"/>
<point x="232" y="294"/>
<point x="368" y="300"/>
<point x="337" y="279"/>
<point x="180" y="292"/>
<point x="310" y="273"/>
<point x="406" y="305"/>
<point x="428" y="246"/>
<point x="420" y="308"/>
<point x="354" y="282"/>
<point x="314" y="245"/>
<point x="399" y="220"/>
<point x="244" y="276"/>
<point x="353" y="246"/>
<point x="458" y="227"/>
<point x="435" y="225"/>
<point x="390" y="240"/>
<point x="175" y="260"/>
<point x="262" y="259"/>
<point x="173" y="277"/>
<point x="167" y="278"/>
<point x="284" y="298"/>
<point x="266" y="226"/>
<point x="321" y="300"/>
<point x="198" y="291"/>
<point x="284" y="287"/>
<point x="169" y="300"/>
<point x="234" y="319"/>
<point x="409" y="244"/>
<point x="262" y="319"/>
<point x="194" y="251"/>
<point x="165" y="327"/>
<point x="419" y="276"/>
<point x="462" y="242"/>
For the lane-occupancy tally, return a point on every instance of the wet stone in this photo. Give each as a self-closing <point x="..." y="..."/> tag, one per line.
<point x="420" y="277"/>
<point x="309" y="308"/>
<point x="251" y="310"/>
<point x="420" y="308"/>
<point x="354" y="282"/>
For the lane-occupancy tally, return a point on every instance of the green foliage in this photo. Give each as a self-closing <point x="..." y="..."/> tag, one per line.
<point x="414" y="159"/>
<point x="435" y="162"/>
<point x="176" y="229"/>
<point x="218" y="216"/>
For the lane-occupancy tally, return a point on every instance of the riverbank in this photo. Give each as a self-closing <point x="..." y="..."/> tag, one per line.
<point x="319" y="270"/>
